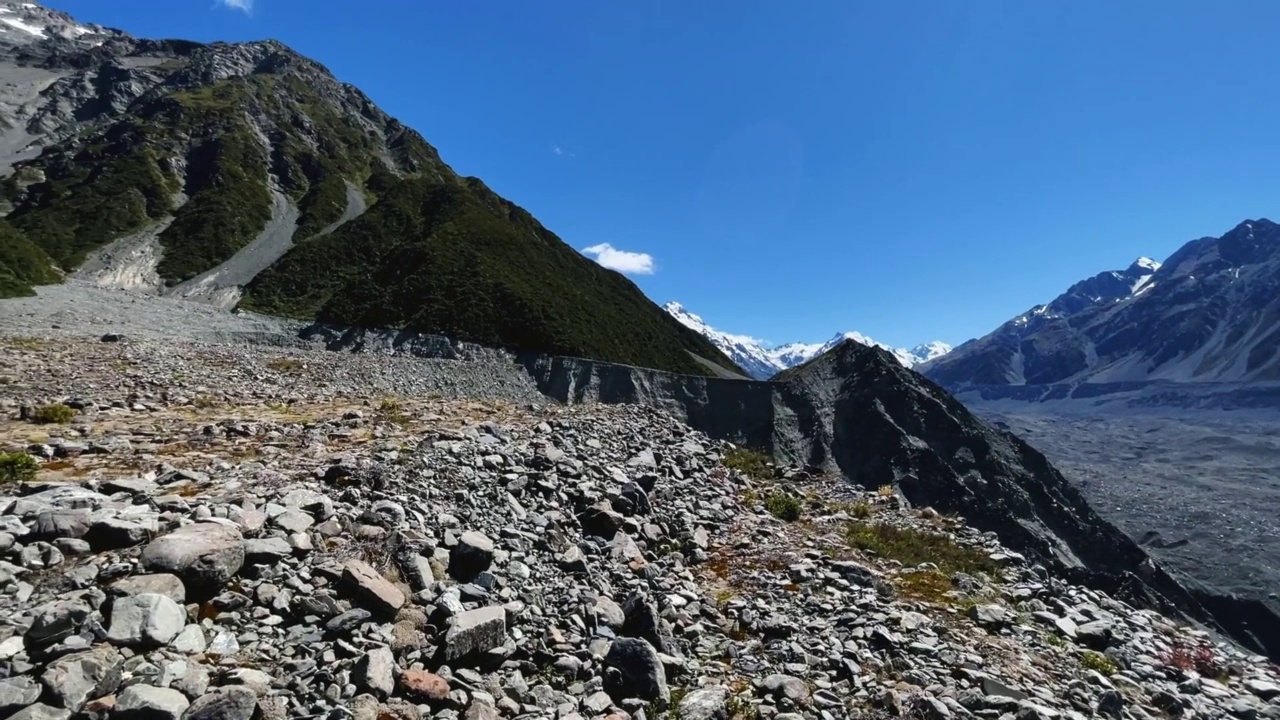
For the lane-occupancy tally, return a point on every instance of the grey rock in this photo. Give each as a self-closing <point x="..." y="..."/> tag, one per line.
<point x="148" y="619"/>
<point x="146" y="702"/>
<point x="375" y="672"/>
<point x="988" y="616"/>
<point x="115" y="533"/>
<point x="475" y="631"/>
<point x="786" y="686"/>
<point x="266" y="551"/>
<point x="642" y="673"/>
<point x="41" y="712"/>
<point x="18" y="692"/>
<point x="369" y="588"/>
<point x="204" y="555"/>
<point x="190" y="641"/>
<point x="224" y="703"/>
<point x="57" y="620"/>
<point x="705" y="703"/>
<point x="471" y="556"/>
<point x="1096" y="635"/>
<point x="75" y="679"/>
<point x="608" y="612"/>
<point x="159" y="584"/>
<point x="1262" y="688"/>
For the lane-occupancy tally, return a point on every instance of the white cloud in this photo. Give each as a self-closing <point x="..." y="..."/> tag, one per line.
<point x="560" y="150"/>
<point x="245" y="6"/>
<point x="628" y="263"/>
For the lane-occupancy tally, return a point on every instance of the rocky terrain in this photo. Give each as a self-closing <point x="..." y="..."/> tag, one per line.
<point x="237" y="531"/>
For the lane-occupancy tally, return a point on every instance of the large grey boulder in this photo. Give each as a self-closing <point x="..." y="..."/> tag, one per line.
<point x="471" y="556"/>
<point x="204" y="555"/>
<point x="641" y="670"/>
<point x="73" y="680"/>
<point x="148" y="619"/>
<point x="18" y="692"/>
<point x="707" y="703"/>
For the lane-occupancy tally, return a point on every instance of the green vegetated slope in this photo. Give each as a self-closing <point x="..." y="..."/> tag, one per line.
<point x="454" y="258"/>
<point x="433" y="252"/>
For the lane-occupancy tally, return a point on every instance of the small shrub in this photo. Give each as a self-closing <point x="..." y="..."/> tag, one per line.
<point x="783" y="506"/>
<point x="1199" y="657"/>
<point x="1099" y="662"/>
<point x="912" y="547"/>
<point x="17" y="467"/>
<point x="861" y="509"/>
<point x="885" y="491"/>
<point x="1055" y="640"/>
<point x="285" y="365"/>
<point x="50" y="414"/>
<point x="204" y="401"/>
<point x="748" y="462"/>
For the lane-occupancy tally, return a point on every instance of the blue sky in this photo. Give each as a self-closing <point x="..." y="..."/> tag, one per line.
<point x="914" y="171"/>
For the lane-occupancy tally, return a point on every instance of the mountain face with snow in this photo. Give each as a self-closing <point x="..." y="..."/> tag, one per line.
<point x="762" y="361"/>
<point x="1209" y="313"/>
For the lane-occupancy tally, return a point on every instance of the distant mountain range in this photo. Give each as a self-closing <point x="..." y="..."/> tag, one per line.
<point x="763" y="361"/>
<point x="1209" y="313"/>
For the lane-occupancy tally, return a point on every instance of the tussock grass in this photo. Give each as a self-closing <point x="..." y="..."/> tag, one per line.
<point x="912" y="547"/>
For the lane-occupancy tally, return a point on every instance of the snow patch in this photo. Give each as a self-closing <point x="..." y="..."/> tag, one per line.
<point x="23" y="26"/>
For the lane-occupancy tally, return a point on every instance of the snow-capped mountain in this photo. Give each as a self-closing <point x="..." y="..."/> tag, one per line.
<point x="762" y="361"/>
<point x="1209" y="313"/>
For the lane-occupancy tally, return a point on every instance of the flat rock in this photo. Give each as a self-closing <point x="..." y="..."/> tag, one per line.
<point x="224" y="703"/>
<point x="475" y="631"/>
<point x="146" y="702"/>
<point x="147" y="619"/>
<point x="370" y="589"/>
<point x="158" y="583"/>
<point x="705" y="703"/>
<point x="18" y="692"/>
<point x="424" y="685"/>
<point x="41" y="712"/>
<point x="204" y="555"/>
<point x="266" y="551"/>
<point x="375" y="672"/>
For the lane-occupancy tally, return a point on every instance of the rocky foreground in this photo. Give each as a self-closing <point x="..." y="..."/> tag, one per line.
<point x="234" y="532"/>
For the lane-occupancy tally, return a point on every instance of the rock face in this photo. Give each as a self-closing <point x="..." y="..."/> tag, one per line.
<point x="1209" y="314"/>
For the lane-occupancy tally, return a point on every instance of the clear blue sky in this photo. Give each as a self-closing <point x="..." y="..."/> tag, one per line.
<point x="914" y="171"/>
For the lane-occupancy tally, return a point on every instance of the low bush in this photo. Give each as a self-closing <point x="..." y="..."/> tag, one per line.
<point x="17" y="467"/>
<point x="783" y="506"/>
<point x="1099" y="662"/>
<point x="749" y="462"/>
<point x="912" y="547"/>
<point x="52" y="414"/>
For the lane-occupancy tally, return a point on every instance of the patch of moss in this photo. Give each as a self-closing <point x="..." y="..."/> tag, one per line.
<point x="1097" y="661"/>
<point x="911" y="547"/>
<point x="753" y="464"/>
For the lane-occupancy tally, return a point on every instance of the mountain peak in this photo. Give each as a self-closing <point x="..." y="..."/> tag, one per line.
<point x="1144" y="263"/>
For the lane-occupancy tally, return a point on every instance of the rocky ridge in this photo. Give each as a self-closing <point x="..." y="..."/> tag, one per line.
<point x="236" y="532"/>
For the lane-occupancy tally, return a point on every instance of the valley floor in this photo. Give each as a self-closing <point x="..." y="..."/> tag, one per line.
<point x="1206" y="481"/>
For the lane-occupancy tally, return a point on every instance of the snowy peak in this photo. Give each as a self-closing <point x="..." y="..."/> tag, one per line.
<point x="23" y="23"/>
<point x="763" y="361"/>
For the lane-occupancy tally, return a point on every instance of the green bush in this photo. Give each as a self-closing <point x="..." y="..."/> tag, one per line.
<point x="1097" y="661"/>
<point x="52" y="414"/>
<point x="783" y="506"/>
<point x="748" y="462"/>
<point x="17" y="466"/>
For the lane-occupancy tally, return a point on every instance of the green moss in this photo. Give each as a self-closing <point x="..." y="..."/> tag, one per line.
<point x="1097" y="661"/>
<point x="911" y="547"/>
<point x="748" y="462"/>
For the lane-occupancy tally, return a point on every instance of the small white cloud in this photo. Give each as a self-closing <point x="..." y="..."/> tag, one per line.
<point x="245" y="6"/>
<point x="627" y="263"/>
<point x="560" y="150"/>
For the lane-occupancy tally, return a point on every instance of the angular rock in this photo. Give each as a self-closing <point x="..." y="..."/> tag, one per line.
<point x="41" y="712"/>
<point x="370" y="589"/>
<point x="786" y="686"/>
<point x="988" y="616"/>
<point x="642" y="673"/>
<point x="475" y="631"/>
<point x="204" y="555"/>
<point x="375" y="672"/>
<point x="115" y="533"/>
<point x="266" y="551"/>
<point x="18" y="692"/>
<point x="471" y="556"/>
<point x="705" y="703"/>
<point x="146" y="702"/>
<point x="73" y="680"/>
<point x="424" y="685"/>
<point x="600" y="520"/>
<point x="147" y="619"/>
<point x="225" y="703"/>
<point x="159" y="584"/>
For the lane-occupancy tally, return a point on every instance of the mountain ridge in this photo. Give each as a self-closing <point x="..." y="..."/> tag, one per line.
<point x="247" y="175"/>
<point x="1209" y="313"/>
<point x="762" y="361"/>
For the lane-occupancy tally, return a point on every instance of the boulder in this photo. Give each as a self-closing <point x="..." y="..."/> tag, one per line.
<point x="204" y="555"/>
